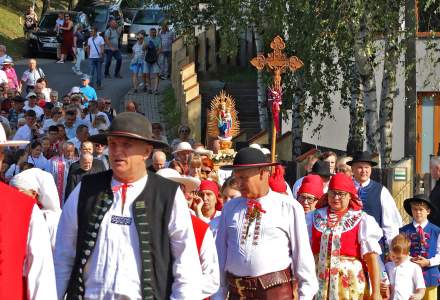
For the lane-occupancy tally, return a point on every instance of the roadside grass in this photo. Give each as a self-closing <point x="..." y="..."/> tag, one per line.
<point x="170" y="112"/>
<point x="11" y="32"/>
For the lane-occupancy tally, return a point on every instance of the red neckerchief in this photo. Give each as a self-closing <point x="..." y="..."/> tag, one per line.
<point x="123" y="187"/>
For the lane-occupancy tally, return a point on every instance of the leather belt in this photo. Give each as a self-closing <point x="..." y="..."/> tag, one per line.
<point x="249" y="287"/>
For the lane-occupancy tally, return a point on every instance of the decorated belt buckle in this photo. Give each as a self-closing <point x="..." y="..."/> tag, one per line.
<point x="239" y="287"/>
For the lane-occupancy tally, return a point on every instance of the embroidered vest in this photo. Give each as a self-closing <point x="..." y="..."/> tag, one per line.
<point x="152" y="206"/>
<point x="15" y="215"/>
<point x="350" y="245"/>
<point x="430" y="274"/>
<point x="370" y="196"/>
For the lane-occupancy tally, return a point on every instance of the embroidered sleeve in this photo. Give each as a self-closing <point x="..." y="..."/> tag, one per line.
<point x="369" y="235"/>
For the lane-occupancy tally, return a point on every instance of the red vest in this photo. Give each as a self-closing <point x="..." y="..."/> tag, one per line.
<point x="350" y="245"/>
<point x="15" y="214"/>
<point x="199" y="228"/>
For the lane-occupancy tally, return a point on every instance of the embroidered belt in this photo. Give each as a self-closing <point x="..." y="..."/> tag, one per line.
<point x="252" y="286"/>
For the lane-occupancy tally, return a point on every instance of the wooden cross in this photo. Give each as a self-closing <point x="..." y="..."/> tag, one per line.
<point x="278" y="62"/>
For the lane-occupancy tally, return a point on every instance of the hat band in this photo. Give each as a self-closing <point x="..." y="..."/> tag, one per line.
<point x="252" y="165"/>
<point x="129" y="134"/>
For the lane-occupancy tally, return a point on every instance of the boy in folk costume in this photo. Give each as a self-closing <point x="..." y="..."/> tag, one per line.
<point x="425" y="242"/>
<point x="262" y="239"/>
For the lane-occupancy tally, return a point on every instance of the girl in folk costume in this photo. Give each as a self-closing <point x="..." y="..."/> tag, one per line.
<point x="344" y="239"/>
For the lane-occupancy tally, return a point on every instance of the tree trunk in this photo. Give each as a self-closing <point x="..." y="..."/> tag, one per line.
<point x="297" y="122"/>
<point x="46" y="6"/>
<point x="389" y="90"/>
<point x="261" y="87"/>
<point x="356" y="130"/>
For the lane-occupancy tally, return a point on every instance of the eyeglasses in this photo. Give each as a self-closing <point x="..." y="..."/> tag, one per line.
<point x="99" y="145"/>
<point x="335" y="194"/>
<point x="306" y="199"/>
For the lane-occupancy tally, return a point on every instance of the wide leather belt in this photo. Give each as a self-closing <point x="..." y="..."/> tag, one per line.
<point x="250" y="287"/>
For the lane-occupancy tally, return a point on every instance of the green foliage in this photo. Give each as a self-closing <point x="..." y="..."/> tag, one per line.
<point x="170" y="112"/>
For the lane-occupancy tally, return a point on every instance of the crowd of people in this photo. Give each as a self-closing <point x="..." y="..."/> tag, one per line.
<point x="107" y="206"/>
<point x="99" y="179"/>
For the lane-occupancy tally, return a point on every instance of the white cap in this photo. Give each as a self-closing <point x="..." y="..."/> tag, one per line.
<point x="265" y="151"/>
<point x="40" y="182"/>
<point x="75" y="90"/>
<point x="183" y="146"/>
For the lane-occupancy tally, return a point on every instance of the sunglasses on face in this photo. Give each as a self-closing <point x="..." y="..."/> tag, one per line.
<point x="99" y="145"/>
<point x="184" y="131"/>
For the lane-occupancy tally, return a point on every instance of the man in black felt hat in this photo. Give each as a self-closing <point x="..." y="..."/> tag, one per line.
<point x="262" y="240"/>
<point x="377" y="201"/>
<point x="126" y="233"/>
<point x="425" y="242"/>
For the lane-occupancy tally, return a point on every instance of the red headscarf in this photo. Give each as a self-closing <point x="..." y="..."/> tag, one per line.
<point x="312" y="184"/>
<point x="341" y="182"/>
<point x="213" y="187"/>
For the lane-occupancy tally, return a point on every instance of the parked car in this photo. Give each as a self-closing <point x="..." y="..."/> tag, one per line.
<point x="44" y="38"/>
<point x="100" y="14"/>
<point x="144" y="19"/>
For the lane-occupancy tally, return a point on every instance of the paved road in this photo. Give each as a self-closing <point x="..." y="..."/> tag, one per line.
<point x="62" y="78"/>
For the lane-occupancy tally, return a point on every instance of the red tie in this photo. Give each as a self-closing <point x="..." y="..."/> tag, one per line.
<point x="421" y="234"/>
<point x="123" y="187"/>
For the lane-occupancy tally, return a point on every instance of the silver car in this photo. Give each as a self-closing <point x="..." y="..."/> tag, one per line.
<point x="143" y="20"/>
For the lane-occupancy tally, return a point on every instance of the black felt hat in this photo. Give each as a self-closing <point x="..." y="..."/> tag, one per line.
<point x="362" y="156"/>
<point x="321" y="168"/>
<point x="248" y="158"/>
<point x="130" y="125"/>
<point x="418" y="198"/>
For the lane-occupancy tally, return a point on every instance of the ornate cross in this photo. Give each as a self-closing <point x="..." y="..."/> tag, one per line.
<point x="278" y="62"/>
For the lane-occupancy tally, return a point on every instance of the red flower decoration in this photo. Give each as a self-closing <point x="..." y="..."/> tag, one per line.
<point x="345" y="281"/>
<point x="334" y="271"/>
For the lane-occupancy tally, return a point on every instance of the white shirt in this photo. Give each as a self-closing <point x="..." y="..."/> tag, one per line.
<point x="435" y="260"/>
<point x="24" y="133"/>
<point x="283" y="241"/>
<point x="13" y="170"/>
<point x="88" y="120"/>
<point x="50" y="122"/>
<point x="39" y="162"/>
<point x="95" y="52"/>
<point x="38" y="110"/>
<point x="114" y="268"/>
<point x="3" y="77"/>
<point x="31" y="77"/>
<point x="209" y="261"/>
<point x="38" y="266"/>
<point x="405" y="279"/>
<point x="391" y="219"/>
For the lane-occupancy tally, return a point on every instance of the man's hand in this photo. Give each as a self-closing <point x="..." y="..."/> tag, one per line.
<point x="421" y="261"/>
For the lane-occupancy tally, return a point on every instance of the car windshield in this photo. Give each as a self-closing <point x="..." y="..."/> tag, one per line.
<point x="48" y="21"/>
<point x="99" y="14"/>
<point x="149" y="17"/>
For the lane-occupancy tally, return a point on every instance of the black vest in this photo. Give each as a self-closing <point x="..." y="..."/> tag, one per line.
<point x="151" y="210"/>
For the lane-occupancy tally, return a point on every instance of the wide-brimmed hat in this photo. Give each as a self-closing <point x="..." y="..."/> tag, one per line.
<point x="321" y="168"/>
<point x="130" y="125"/>
<point x="248" y="158"/>
<point x="8" y="61"/>
<point x="362" y="156"/>
<point x="5" y="142"/>
<point x="190" y="183"/>
<point x="183" y="146"/>
<point x="417" y="198"/>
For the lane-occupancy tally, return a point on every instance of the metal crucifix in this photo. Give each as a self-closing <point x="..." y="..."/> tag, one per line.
<point x="278" y="62"/>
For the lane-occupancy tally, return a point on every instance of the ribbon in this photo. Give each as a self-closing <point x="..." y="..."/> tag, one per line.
<point x="275" y="98"/>
<point x="421" y="234"/>
<point x="123" y="187"/>
<point x="255" y="205"/>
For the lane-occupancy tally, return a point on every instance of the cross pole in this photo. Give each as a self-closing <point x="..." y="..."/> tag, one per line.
<point x="278" y="62"/>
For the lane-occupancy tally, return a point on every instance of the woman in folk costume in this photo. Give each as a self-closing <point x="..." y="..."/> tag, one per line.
<point x="204" y="237"/>
<point x="40" y="185"/>
<point x="344" y="239"/>
<point x="26" y="264"/>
